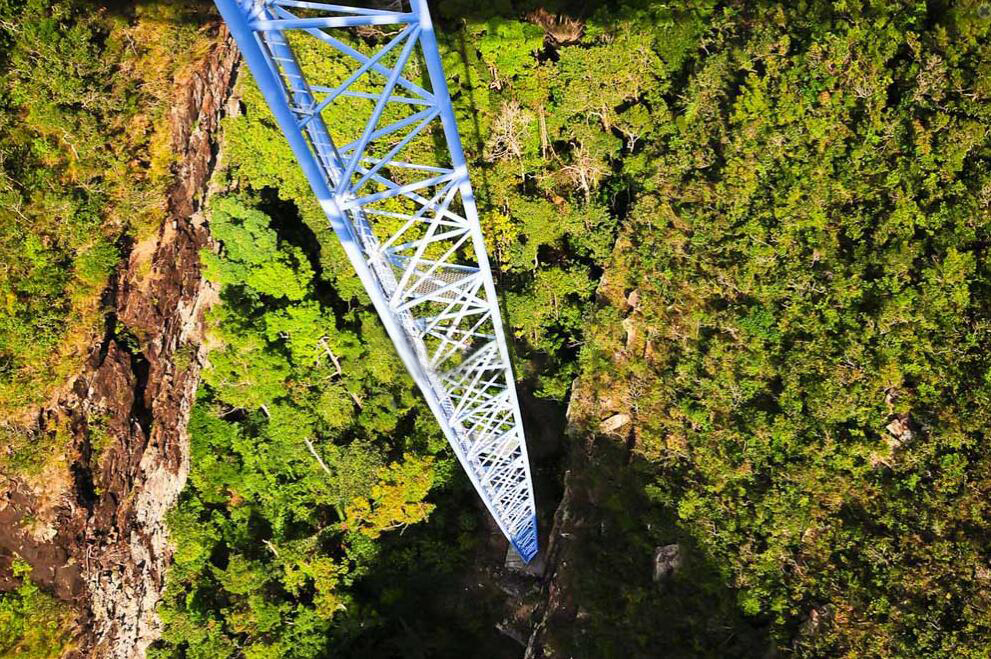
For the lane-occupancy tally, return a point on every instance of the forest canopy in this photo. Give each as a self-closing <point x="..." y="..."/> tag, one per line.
<point x="803" y="285"/>
<point x="85" y="158"/>
<point x="757" y="230"/>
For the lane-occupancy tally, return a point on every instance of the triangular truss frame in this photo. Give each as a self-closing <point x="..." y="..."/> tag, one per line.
<point x="410" y="228"/>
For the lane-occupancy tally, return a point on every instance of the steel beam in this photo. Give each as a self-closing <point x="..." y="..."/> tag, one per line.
<point x="406" y="217"/>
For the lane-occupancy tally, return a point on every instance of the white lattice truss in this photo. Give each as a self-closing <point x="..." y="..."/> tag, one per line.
<point x="397" y="194"/>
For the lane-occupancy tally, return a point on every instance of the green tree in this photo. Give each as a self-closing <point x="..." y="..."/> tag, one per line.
<point x="252" y="255"/>
<point x="33" y="624"/>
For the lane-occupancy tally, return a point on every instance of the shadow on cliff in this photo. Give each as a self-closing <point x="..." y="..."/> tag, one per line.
<point x="607" y="595"/>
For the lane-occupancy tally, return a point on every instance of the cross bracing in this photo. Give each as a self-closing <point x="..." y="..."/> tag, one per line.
<point x="375" y="135"/>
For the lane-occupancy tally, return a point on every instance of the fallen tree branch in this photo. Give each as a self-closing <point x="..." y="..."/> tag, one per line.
<point x="309" y="445"/>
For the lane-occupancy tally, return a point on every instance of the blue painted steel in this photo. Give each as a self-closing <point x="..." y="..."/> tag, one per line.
<point x="429" y="279"/>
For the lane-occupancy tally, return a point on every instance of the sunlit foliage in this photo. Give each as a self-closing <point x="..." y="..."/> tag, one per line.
<point x="84" y="160"/>
<point x="809" y="358"/>
<point x="33" y="624"/>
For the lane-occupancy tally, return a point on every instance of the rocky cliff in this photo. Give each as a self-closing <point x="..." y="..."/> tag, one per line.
<point x="93" y="525"/>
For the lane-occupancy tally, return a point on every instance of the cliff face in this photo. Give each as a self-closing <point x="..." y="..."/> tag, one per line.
<point x="623" y="577"/>
<point x="596" y="470"/>
<point x="93" y="527"/>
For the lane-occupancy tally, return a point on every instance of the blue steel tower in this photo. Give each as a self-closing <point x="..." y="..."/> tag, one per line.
<point x="398" y="197"/>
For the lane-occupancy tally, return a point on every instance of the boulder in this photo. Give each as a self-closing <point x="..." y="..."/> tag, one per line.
<point x="614" y="423"/>
<point x="667" y="561"/>
<point x="900" y="430"/>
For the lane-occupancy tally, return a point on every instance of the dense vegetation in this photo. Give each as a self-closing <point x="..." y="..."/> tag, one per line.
<point x="272" y="525"/>
<point x="808" y="368"/>
<point x="33" y="624"/>
<point x="795" y="317"/>
<point x="308" y="441"/>
<point x="808" y="193"/>
<point x="308" y="444"/>
<point x="84" y="161"/>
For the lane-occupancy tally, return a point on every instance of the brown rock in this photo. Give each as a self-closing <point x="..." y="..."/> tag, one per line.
<point x="633" y="299"/>
<point x="900" y="430"/>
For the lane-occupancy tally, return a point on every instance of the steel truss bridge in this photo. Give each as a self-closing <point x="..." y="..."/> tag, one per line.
<point x="397" y="194"/>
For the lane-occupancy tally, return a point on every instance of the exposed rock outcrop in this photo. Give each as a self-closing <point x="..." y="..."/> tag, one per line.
<point x="104" y="544"/>
<point x="603" y="428"/>
<point x="614" y="423"/>
<point x="127" y="537"/>
<point x="667" y="560"/>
